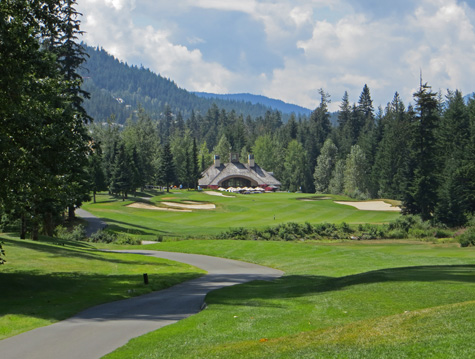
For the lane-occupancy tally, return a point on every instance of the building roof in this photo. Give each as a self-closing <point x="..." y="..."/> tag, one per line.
<point x="215" y="176"/>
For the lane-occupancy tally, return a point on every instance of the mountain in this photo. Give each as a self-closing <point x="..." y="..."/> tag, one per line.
<point x="117" y="90"/>
<point x="258" y="99"/>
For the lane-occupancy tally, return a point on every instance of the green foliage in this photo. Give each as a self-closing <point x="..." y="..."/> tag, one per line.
<point x="77" y="233"/>
<point x="105" y="236"/>
<point x="356" y="168"/>
<point x="43" y="132"/>
<point x="325" y="167"/>
<point x="467" y="238"/>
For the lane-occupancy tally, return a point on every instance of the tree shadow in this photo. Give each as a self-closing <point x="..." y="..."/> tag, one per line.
<point x="73" y="249"/>
<point x="294" y="286"/>
<point x="57" y="296"/>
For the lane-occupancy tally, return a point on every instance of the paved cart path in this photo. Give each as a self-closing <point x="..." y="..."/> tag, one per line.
<point x="94" y="223"/>
<point x="104" y="328"/>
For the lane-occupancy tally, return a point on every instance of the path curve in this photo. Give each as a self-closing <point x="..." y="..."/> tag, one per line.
<point x="99" y="330"/>
<point x="94" y="223"/>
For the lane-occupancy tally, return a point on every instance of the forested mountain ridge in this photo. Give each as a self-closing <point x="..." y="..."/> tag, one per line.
<point x="275" y="104"/>
<point x="118" y="89"/>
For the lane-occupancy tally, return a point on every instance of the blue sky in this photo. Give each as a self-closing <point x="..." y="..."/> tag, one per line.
<point x="288" y="49"/>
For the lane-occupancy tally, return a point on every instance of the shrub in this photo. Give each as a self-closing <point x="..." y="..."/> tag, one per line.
<point x="467" y="239"/>
<point x="103" y="236"/>
<point x="397" y="234"/>
<point x="420" y="233"/>
<point x="78" y="233"/>
<point x="125" y="239"/>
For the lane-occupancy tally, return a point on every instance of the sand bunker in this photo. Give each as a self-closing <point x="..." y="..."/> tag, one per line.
<point x="211" y="193"/>
<point x="155" y="208"/>
<point x="190" y="205"/>
<point x="371" y="206"/>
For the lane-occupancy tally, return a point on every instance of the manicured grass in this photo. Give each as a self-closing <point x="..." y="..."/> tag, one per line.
<point x="43" y="282"/>
<point x="345" y="300"/>
<point x="250" y="211"/>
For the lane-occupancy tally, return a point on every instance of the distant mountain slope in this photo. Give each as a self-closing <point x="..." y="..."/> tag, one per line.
<point x="259" y="99"/>
<point x="118" y="89"/>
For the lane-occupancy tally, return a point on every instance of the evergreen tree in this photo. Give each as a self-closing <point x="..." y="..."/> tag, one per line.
<point x="223" y="149"/>
<point x="456" y="162"/>
<point x="325" y="166"/>
<point x="296" y="173"/>
<point x="167" y="167"/>
<point x="421" y="194"/>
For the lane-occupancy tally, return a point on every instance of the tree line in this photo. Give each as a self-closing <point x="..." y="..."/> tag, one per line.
<point x="423" y="155"/>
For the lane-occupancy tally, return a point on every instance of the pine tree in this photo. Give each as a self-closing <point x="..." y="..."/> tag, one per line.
<point x="421" y="193"/>
<point x="167" y="167"/>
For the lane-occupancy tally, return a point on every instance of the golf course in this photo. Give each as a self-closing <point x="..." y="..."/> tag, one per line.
<point x="151" y="214"/>
<point x="338" y="298"/>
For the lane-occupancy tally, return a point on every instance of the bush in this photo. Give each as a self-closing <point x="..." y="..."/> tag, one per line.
<point x="78" y="233"/>
<point x="125" y="239"/>
<point x="103" y="236"/>
<point x="397" y="234"/>
<point x="467" y="239"/>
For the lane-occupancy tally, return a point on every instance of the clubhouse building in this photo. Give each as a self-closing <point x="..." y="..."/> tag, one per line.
<point x="237" y="174"/>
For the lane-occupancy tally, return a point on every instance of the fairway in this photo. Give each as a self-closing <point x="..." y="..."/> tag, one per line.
<point x="250" y="211"/>
<point x="370" y="299"/>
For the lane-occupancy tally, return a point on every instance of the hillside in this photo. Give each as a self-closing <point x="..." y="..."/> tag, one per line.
<point x="118" y="89"/>
<point x="278" y="105"/>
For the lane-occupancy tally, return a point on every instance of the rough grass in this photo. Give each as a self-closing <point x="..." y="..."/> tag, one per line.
<point x="350" y="300"/>
<point x="250" y="211"/>
<point x="43" y="282"/>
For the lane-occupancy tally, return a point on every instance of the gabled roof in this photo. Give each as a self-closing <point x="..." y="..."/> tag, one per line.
<point x="214" y="176"/>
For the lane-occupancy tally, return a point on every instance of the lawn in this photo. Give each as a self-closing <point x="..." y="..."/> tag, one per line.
<point x="344" y="300"/>
<point x="250" y="211"/>
<point x="43" y="282"/>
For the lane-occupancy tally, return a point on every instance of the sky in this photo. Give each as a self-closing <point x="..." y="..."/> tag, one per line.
<point x="289" y="49"/>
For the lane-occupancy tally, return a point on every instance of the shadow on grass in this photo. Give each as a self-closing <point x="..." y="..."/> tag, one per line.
<point x="121" y="226"/>
<point x="73" y="249"/>
<point x="295" y="286"/>
<point x="57" y="296"/>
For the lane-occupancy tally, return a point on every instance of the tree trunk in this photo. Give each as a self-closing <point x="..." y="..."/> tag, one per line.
<point x="48" y="224"/>
<point x="71" y="214"/>
<point x="94" y="196"/>
<point x="23" y="227"/>
<point x="34" y="231"/>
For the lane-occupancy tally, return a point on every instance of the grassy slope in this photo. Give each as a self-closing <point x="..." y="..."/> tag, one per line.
<point x="43" y="282"/>
<point x="251" y="211"/>
<point x="354" y="300"/>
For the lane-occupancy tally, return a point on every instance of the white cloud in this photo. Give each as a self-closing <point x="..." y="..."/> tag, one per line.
<point x="319" y="44"/>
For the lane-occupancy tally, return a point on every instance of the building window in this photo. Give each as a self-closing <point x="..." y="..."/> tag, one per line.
<point x="237" y="182"/>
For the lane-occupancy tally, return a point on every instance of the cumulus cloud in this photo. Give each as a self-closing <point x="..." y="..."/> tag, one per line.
<point x="288" y="49"/>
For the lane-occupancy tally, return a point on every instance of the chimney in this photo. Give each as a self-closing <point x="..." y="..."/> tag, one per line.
<point x="250" y="160"/>
<point x="217" y="162"/>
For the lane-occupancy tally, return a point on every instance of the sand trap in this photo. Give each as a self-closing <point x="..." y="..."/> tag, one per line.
<point x="189" y="205"/>
<point x="155" y="208"/>
<point x="371" y="206"/>
<point x="217" y="194"/>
